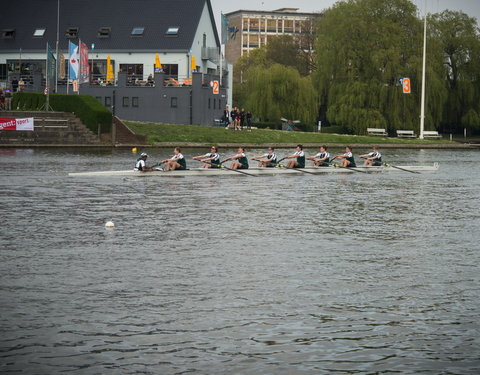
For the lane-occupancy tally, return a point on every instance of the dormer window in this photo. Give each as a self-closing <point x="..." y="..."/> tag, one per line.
<point x="72" y="32"/>
<point x="137" y="31"/>
<point x="172" y="31"/>
<point x="39" y="32"/>
<point x="8" y="33"/>
<point x="104" y="32"/>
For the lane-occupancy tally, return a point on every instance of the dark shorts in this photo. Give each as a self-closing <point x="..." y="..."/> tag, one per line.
<point x="299" y="166"/>
<point x="181" y="168"/>
<point x="270" y="165"/>
<point x="377" y="163"/>
<point x="243" y="166"/>
<point x="323" y="164"/>
<point x="212" y="165"/>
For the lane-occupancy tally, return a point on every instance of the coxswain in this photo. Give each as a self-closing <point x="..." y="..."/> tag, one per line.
<point x="176" y="162"/>
<point x="210" y="159"/>
<point x="270" y="159"/>
<point x="299" y="155"/>
<point x="240" y="159"/>
<point x="347" y="158"/>
<point x="321" y="159"/>
<point x="372" y="158"/>
<point x="141" y="165"/>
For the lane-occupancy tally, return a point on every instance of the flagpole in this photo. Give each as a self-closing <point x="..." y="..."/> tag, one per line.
<point x="47" y="100"/>
<point x="58" y="33"/>
<point x="79" y="74"/>
<point x="68" y="73"/>
<point x="422" y="106"/>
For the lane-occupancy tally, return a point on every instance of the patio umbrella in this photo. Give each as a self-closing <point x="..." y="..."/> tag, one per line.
<point x="158" y="66"/>
<point x="194" y="64"/>
<point x="109" y="70"/>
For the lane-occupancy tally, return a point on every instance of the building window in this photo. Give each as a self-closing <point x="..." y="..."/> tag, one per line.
<point x="204" y="40"/>
<point x="134" y="101"/>
<point x="72" y="33"/>
<point x="99" y="72"/>
<point x="172" y="31"/>
<point x="134" y="72"/>
<point x="288" y="26"/>
<point x="104" y="32"/>
<point x="209" y="99"/>
<point x="271" y="26"/>
<point x="170" y="69"/>
<point x="173" y="102"/>
<point x="253" y="43"/>
<point x="125" y="101"/>
<point x="214" y="103"/>
<point x="8" y="33"/>
<point x="99" y="98"/>
<point x="254" y="24"/>
<point x="39" y="32"/>
<point x="137" y="31"/>
<point x="245" y="24"/>
<point x="108" y="101"/>
<point x="3" y="72"/>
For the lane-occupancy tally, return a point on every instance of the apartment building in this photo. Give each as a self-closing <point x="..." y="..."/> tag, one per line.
<point x="250" y="29"/>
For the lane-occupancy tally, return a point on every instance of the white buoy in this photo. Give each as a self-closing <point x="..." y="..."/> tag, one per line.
<point x="109" y="224"/>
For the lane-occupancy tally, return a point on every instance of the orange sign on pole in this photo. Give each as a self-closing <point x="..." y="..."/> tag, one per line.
<point x="406" y="85"/>
<point x="216" y="87"/>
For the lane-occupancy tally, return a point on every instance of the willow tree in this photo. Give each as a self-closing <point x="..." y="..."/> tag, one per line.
<point x="280" y="91"/>
<point x="363" y="48"/>
<point x="459" y="39"/>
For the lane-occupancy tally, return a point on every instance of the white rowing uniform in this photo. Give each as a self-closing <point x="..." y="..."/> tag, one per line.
<point x="322" y="155"/>
<point x="214" y="155"/>
<point x="139" y="165"/>
<point x="271" y="157"/>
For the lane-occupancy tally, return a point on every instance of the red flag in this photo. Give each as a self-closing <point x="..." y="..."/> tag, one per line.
<point x="84" y="66"/>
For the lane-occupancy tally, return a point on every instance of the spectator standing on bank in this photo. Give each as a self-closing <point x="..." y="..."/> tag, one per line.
<point x="21" y="85"/>
<point x="2" y="99"/>
<point x="8" y="99"/>
<point x="249" y="120"/>
<point x="14" y="84"/>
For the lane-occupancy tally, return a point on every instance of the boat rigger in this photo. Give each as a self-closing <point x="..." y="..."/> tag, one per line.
<point x="260" y="171"/>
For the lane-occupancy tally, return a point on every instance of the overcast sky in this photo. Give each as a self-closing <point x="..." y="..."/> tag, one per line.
<point x="471" y="7"/>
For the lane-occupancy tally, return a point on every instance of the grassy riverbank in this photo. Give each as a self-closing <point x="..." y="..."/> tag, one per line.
<point x="161" y="133"/>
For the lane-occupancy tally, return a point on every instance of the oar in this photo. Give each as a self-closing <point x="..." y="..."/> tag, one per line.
<point x="296" y="169"/>
<point x="230" y="169"/>
<point x="349" y="168"/>
<point x="402" y="169"/>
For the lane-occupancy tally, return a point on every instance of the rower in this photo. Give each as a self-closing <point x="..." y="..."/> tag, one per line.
<point x="141" y="165"/>
<point x="270" y="161"/>
<point x="372" y="158"/>
<point x="321" y="159"/>
<point x="211" y="159"/>
<point x="300" y="158"/>
<point x="241" y="159"/>
<point x="347" y="158"/>
<point x="176" y="162"/>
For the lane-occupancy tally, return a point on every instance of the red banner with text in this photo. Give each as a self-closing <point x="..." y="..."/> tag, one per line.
<point x="16" y="123"/>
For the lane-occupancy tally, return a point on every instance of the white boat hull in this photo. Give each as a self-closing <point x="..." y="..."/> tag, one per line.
<point x="258" y="171"/>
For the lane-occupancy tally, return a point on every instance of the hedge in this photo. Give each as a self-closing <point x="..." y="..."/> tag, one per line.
<point x="87" y="108"/>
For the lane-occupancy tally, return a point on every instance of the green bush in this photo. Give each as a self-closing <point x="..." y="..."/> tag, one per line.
<point x="87" y="108"/>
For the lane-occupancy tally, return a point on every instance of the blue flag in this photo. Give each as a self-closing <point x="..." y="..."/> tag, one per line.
<point x="225" y="29"/>
<point x="73" y="60"/>
<point x="51" y="67"/>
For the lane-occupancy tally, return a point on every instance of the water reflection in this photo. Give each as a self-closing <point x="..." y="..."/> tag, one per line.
<point x="286" y="274"/>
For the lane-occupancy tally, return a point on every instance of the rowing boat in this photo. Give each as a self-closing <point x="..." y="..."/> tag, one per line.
<point x="258" y="171"/>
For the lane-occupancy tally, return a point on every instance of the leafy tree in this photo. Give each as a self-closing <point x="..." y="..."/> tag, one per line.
<point x="363" y="48"/>
<point x="458" y="36"/>
<point x="278" y="91"/>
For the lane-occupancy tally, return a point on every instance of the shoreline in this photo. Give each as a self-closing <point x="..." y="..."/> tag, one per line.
<point x="446" y="146"/>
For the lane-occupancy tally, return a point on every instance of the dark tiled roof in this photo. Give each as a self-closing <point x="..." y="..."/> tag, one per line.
<point x="156" y="16"/>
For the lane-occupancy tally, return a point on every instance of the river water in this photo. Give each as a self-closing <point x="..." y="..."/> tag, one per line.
<point x="298" y="274"/>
